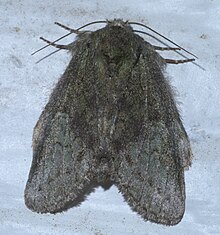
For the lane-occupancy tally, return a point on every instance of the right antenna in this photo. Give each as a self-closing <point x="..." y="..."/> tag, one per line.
<point x="163" y="37"/>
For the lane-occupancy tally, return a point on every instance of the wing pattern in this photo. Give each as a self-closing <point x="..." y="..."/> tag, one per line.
<point x="111" y="118"/>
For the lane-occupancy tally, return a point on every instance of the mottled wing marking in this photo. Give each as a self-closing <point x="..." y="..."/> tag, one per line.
<point x="151" y="173"/>
<point x="112" y="118"/>
<point x="62" y="173"/>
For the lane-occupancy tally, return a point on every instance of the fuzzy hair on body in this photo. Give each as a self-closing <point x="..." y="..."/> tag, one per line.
<point x="111" y="119"/>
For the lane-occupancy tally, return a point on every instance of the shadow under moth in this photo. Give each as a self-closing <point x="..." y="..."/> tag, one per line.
<point x="111" y="119"/>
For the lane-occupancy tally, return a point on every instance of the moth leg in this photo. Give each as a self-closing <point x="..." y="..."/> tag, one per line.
<point x="169" y="61"/>
<point x="67" y="28"/>
<point x="76" y="31"/>
<point x="166" y="48"/>
<point x="60" y="46"/>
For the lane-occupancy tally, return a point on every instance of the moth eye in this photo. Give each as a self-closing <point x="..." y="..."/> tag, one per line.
<point x="109" y="21"/>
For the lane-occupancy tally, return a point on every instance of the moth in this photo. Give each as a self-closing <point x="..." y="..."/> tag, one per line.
<point x="111" y="119"/>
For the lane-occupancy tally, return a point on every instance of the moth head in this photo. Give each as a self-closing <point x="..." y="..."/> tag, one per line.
<point x="119" y="23"/>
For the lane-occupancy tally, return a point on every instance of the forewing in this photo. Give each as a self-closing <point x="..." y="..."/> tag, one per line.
<point x="151" y="172"/>
<point x="62" y="169"/>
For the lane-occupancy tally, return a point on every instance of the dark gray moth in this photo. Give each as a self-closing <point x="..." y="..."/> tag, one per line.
<point x="111" y="119"/>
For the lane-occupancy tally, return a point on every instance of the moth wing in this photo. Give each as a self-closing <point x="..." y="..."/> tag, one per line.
<point x="151" y="172"/>
<point x="151" y="177"/>
<point x="62" y="168"/>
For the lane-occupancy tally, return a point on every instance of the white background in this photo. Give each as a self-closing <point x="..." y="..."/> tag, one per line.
<point x="25" y="87"/>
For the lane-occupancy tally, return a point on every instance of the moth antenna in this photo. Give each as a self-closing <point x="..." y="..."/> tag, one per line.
<point x="75" y="30"/>
<point x="71" y="31"/>
<point x="179" y="53"/>
<point x="48" y="56"/>
<point x="49" y="44"/>
<point x="163" y="37"/>
<point x="148" y="34"/>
